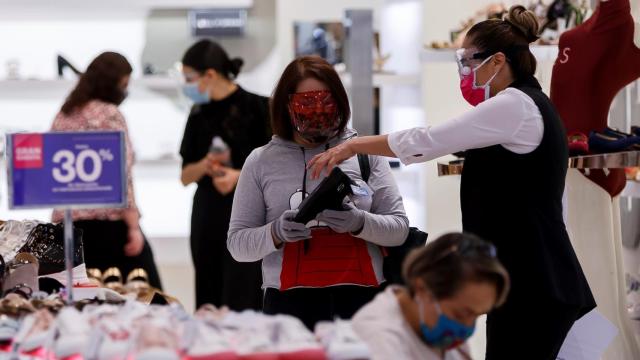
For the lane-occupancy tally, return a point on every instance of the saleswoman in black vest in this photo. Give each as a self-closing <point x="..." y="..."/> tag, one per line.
<point x="512" y="184"/>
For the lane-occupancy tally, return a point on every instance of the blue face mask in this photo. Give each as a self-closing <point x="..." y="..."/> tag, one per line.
<point x="447" y="333"/>
<point x="191" y="91"/>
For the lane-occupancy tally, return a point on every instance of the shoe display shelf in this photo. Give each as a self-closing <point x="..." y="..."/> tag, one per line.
<point x="386" y="79"/>
<point x="543" y="53"/>
<point x="451" y="168"/>
<point x="617" y="160"/>
<point x="42" y="88"/>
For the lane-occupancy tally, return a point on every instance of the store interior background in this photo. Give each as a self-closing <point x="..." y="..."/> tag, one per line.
<point x="421" y="90"/>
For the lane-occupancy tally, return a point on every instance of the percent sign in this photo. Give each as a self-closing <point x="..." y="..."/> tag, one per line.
<point x="105" y="154"/>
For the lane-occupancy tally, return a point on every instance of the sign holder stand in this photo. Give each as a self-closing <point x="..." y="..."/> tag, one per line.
<point x="68" y="252"/>
<point x="33" y="157"/>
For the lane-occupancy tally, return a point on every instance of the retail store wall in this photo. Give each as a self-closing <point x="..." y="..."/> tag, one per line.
<point x="442" y="101"/>
<point x="401" y="103"/>
<point x="156" y="113"/>
<point x="290" y="11"/>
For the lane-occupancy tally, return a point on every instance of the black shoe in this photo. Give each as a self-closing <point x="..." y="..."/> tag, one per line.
<point x="63" y="63"/>
<point x="46" y="243"/>
<point x="600" y="143"/>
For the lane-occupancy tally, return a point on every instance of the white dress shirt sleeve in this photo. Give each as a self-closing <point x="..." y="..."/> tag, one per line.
<point x="510" y="119"/>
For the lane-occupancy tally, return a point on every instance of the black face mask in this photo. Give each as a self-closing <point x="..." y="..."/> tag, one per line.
<point x="122" y="95"/>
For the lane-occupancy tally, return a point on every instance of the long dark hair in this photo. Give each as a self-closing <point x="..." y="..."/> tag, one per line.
<point x="100" y="82"/>
<point x="298" y="70"/>
<point x="207" y="54"/>
<point x="510" y="36"/>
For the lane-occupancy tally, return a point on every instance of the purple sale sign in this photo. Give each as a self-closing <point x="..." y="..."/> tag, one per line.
<point x="66" y="170"/>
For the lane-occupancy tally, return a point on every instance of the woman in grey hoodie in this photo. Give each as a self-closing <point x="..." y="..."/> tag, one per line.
<point x="331" y="266"/>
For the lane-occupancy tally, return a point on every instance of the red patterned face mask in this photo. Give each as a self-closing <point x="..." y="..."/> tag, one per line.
<point x="314" y="115"/>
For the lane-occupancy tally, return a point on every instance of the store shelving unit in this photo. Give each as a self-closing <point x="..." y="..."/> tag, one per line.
<point x="387" y="79"/>
<point x="541" y="52"/>
<point x="37" y="88"/>
<point x="606" y="161"/>
<point x="617" y="160"/>
<point x="128" y="4"/>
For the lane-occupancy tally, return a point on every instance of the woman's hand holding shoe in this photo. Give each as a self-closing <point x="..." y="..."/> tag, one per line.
<point x="284" y="229"/>
<point x="350" y="220"/>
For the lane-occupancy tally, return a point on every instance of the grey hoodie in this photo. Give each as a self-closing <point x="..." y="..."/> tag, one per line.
<point x="270" y="183"/>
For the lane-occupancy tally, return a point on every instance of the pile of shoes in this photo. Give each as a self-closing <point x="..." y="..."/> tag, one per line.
<point x="137" y="331"/>
<point x="609" y="140"/>
<point x="136" y="285"/>
<point x="554" y="17"/>
<point x="491" y="11"/>
<point x="340" y="341"/>
<point x="45" y="243"/>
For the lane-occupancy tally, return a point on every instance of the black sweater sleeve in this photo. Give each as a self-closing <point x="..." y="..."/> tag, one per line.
<point x="187" y="147"/>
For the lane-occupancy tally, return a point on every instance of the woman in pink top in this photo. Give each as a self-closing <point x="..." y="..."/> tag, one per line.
<point x="112" y="237"/>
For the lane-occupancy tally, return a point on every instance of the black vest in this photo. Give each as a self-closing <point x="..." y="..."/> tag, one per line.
<point x="515" y="202"/>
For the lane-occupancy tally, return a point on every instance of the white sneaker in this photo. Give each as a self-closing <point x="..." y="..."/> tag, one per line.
<point x="9" y="328"/>
<point x="72" y="333"/>
<point x="157" y="340"/>
<point x="340" y="341"/>
<point x="36" y="331"/>
<point x="294" y="341"/>
<point x="207" y="342"/>
<point x="249" y="335"/>
<point x="114" y="340"/>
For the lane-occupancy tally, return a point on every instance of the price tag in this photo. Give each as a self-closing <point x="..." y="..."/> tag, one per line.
<point x="70" y="170"/>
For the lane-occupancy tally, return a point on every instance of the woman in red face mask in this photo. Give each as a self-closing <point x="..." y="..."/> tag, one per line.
<point x="332" y="265"/>
<point x="513" y="125"/>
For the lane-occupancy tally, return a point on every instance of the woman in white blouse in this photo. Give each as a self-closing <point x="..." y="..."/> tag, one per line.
<point x="513" y="126"/>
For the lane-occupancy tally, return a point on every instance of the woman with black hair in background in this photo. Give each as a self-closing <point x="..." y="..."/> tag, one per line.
<point x="225" y="124"/>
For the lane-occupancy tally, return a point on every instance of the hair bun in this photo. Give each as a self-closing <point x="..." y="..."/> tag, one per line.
<point x="525" y="21"/>
<point x="235" y="66"/>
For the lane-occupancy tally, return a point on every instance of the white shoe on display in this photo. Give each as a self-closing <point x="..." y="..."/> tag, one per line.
<point x="9" y="328"/>
<point x="207" y="342"/>
<point x="248" y="333"/>
<point x="72" y="333"/>
<point x="294" y="341"/>
<point x="36" y="332"/>
<point x="157" y="339"/>
<point x="340" y="341"/>
<point x="114" y="340"/>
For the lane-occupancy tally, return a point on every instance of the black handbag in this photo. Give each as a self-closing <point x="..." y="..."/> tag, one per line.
<point x="395" y="255"/>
